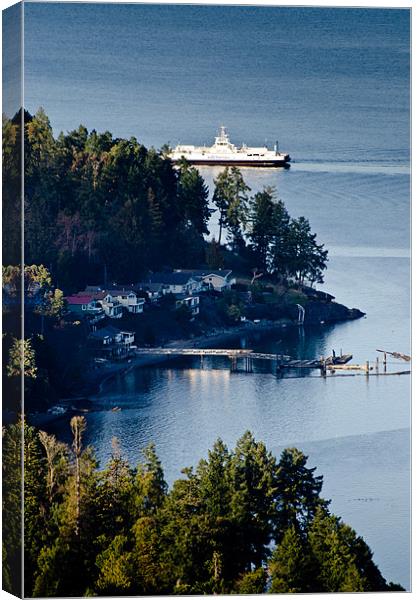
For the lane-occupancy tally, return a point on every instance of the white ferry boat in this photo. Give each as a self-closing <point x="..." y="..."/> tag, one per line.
<point x="223" y="152"/>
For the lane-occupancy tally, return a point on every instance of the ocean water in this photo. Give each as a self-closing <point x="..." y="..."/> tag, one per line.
<point x="332" y="85"/>
<point x="329" y="84"/>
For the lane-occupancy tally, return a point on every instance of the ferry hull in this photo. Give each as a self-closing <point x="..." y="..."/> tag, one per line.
<point x="239" y="163"/>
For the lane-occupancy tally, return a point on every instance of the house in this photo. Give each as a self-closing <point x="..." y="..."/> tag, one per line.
<point x="112" y="307"/>
<point x="106" y="335"/>
<point x="85" y="304"/>
<point x="175" y="282"/>
<point x="129" y="300"/>
<point x="127" y="339"/>
<point x="155" y="291"/>
<point x="191" y="302"/>
<point x="125" y="295"/>
<point x="219" y="280"/>
<point x="113" y="342"/>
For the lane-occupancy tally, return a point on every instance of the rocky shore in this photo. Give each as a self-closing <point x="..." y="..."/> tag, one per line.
<point x="317" y="312"/>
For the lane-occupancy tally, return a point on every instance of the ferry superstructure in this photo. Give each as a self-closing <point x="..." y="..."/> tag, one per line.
<point x="223" y="152"/>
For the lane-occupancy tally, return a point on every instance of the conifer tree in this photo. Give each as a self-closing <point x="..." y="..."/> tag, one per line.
<point x="263" y="226"/>
<point x="230" y="197"/>
<point x="289" y="566"/>
<point x="298" y="493"/>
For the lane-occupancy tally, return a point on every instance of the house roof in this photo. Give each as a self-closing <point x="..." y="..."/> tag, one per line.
<point x="79" y="299"/>
<point x="120" y="292"/>
<point x="86" y="294"/>
<point x="99" y="295"/>
<point x="206" y="272"/>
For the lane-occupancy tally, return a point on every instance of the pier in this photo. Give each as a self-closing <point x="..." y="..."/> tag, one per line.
<point x="282" y="361"/>
<point x="242" y="359"/>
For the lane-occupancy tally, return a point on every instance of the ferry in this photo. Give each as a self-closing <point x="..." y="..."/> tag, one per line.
<point x="223" y="152"/>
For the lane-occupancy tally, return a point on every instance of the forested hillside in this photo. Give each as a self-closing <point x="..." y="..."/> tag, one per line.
<point x="102" y="208"/>
<point x="240" y="522"/>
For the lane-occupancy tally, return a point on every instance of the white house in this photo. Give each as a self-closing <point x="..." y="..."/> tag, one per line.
<point x="107" y="335"/>
<point x="111" y="307"/>
<point x="114" y="300"/>
<point x="218" y="280"/>
<point x="115" y="343"/>
<point x="176" y="282"/>
<point x="191" y="302"/>
<point x="129" y="300"/>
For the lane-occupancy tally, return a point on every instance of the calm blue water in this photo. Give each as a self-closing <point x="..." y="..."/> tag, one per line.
<point x="333" y="86"/>
<point x="328" y="83"/>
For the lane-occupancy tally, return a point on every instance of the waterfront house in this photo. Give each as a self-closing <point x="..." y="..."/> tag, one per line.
<point x="175" y="282"/>
<point x="125" y="295"/>
<point x="112" y="307"/>
<point x="127" y="339"/>
<point x="129" y="300"/>
<point x="218" y="280"/>
<point x="154" y="291"/>
<point x="106" y="335"/>
<point x="191" y="302"/>
<point x="84" y="304"/>
<point x="112" y="342"/>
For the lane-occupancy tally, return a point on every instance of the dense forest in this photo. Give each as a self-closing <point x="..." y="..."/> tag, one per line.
<point x="240" y="522"/>
<point x="101" y="208"/>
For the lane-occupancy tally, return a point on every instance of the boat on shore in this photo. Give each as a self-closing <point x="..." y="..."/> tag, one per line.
<point x="224" y="153"/>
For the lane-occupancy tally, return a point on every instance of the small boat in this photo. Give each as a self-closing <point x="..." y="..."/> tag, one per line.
<point x="223" y="152"/>
<point x="116" y="409"/>
<point x="339" y="360"/>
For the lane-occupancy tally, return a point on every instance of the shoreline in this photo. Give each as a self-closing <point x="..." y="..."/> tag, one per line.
<point x="96" y="379"/>
<point x="203" y="341"/>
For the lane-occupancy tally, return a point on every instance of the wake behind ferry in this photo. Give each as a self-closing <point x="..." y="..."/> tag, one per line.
<point x="223" y="152"/>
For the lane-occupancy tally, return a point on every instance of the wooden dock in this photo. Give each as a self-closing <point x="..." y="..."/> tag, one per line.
<point x="281" y="361"/>
<point x="242" y="359"/>
<point x="193" y="351"/>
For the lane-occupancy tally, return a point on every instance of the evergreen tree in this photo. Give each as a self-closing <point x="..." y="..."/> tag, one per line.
<point x="253" y="582"/>
<point x="150" y="485"/>
<point x="301" y="257"/>
<point x="193" y="197"/>
<point x="336" y="570"/>
<point x="35" y="502"/>
<point x="263" y="226"/>
<point x="12" y="189"/>
<point x="230" y="197"/>
<point x="290" y="567"/>
<point x="298" y="493"/>
<point x="12" y="453"/>
<point x="253" y="480"/>
<point x="115" y="569"/>
<point x="214" y="257"/>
